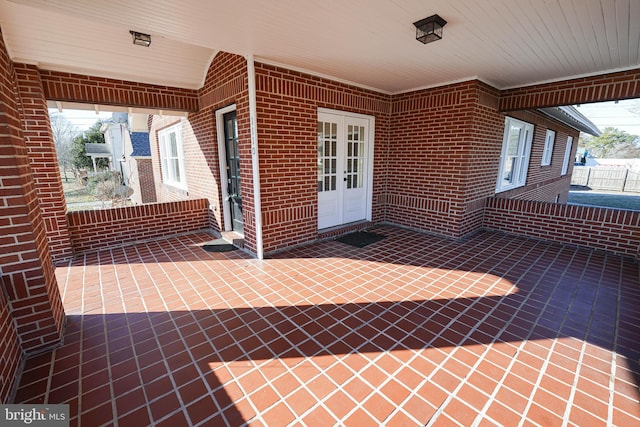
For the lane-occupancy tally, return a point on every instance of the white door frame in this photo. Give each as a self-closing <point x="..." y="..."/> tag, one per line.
<point x="370" y="151"/>
<point x="222" y="160"/>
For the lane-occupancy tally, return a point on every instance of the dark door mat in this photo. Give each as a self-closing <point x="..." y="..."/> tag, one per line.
<point x="360" y="239"/>
<point x="219" y="245"/>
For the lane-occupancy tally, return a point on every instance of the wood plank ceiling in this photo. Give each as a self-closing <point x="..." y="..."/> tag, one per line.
<point x="371" y="43"/>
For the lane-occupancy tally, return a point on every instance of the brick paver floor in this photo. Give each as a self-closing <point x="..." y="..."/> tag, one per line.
<point x="411" y="330"/>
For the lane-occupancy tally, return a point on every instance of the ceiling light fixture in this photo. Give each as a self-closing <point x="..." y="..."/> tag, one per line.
<point x="141" y="39"/>
<point x="429" y="29"/>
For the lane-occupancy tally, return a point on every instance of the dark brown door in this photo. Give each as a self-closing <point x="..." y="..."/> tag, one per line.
<point x="233" y="170"/>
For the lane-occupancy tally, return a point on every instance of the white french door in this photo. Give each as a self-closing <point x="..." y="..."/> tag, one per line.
<point x="345" y="152"/>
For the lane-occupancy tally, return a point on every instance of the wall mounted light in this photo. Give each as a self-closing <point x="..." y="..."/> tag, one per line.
<point x="140" y="39"/>
<point x="429" y="29"/>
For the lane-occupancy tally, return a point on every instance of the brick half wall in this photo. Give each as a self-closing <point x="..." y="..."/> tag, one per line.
<point x="91" y="230"/>
<point x="611" y="230"/>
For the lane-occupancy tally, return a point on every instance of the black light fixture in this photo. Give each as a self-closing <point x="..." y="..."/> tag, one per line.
<point x="429" y="29"/>
<point x="141" y="39"/>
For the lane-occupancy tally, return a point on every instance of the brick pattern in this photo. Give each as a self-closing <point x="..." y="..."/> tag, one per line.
<point x="225" y="84"/>
<point x="60" y="86"/>
<point x="10" y="350"/>
<point x="484" y="146"/>
<point x="429" y="156"/>
<point x="544" y="183"/>
<point x="605" y="87"/>
<point x="145" y="181"/>
<point x="287" y="112"/>
<point x="613" y="230"/>
<point x="30" y="300"/>
<point x="96" y="229"/>
<point x="43" y="160"/>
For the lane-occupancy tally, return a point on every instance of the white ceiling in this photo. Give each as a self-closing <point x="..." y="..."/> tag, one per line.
<point x="371" y="43"/>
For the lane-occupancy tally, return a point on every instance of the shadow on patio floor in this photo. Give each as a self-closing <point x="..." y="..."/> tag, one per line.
<point x="495" y="328"/>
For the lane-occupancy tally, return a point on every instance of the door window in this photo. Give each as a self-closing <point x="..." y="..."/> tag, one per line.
<point x="327" y="156"/>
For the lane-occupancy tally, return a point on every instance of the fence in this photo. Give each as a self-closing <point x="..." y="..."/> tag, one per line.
<point x="606" y="178"/>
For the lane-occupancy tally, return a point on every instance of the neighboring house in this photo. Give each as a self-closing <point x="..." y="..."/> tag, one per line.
<point x="116" y="138"/>
<point x="138" y="161"/>
<point x="100" y="151"/>
<point x="128" y="151"/>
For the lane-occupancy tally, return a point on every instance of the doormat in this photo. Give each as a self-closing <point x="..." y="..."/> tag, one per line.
<point x="218" y="245"/>
<point x="360" y="239"/>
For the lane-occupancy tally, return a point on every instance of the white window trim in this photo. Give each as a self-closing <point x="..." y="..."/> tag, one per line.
<point x="168" y="173"/>
<point x="547" y="154"/>
<point x="567" y="156"/>
<point x="521" y="166"/>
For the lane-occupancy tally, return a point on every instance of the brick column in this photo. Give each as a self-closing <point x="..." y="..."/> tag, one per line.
<point x="26" y="268"/>
<point x="41" y="149"/>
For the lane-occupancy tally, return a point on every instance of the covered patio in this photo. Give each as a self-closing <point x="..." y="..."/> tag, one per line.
<point x="414" y="329"/>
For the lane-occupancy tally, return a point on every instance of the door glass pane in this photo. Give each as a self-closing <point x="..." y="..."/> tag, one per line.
<point x="327" y="155"/>
<point x="355" y="157"/>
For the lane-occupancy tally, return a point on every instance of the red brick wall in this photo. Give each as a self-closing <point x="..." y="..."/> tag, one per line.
<point x="97" y="90"/>
<point x="287" y="109"/>
<point x="544" y="183"/>
<point x="612" y="230"/>
<point x="120" y="226"/>
<point x="164" y="192"/>
<point x="44" y="163"/>
<point x="10" y="350"/>
<point x="605" y="87"/>
<point x="429" y="155"/>
<point x="484" y="145"/>
<point x="28" y="281"/>
<point x="225" y="84"/>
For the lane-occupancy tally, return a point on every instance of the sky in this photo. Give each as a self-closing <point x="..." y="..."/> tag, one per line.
<point x="83" y="119"/>
<point x="610" y="114"/>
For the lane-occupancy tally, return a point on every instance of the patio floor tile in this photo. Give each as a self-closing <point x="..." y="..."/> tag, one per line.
<point x="411" y="330"/>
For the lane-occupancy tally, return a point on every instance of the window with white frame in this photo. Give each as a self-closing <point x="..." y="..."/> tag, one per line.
<point x="514" y="159"/>
<point x="548" y="147"/>
<point x="172" y="156"/>
<point x="567" y="156"/>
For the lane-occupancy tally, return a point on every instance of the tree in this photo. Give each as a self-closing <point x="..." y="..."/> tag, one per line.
<point x="613" y="143"/>
<point x="79" y="149"/>
<point x="63" y="131"/>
